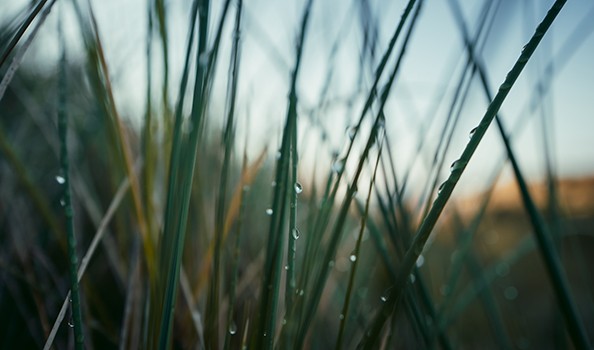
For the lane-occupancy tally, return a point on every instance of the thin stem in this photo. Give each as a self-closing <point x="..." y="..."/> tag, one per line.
<point x="64" y="180"/>
<point x="447" y="187"/>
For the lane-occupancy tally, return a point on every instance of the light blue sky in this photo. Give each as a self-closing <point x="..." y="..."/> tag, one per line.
<point x="436" y="47"/>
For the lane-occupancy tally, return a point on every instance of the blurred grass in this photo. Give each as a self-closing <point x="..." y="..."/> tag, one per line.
<point x="203" y="248"/>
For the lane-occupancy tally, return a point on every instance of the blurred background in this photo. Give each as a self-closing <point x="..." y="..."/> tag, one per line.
<point x="501" y="297"/>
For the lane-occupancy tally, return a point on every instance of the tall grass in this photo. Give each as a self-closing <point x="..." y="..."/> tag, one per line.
<point x="201" y="247"/>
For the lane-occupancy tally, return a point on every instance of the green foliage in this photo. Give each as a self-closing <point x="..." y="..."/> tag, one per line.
<point x="186" y="245"/>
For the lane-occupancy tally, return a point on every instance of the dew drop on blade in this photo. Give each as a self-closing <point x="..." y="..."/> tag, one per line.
<point x="269" y="211"/>
<point x="60" y="179"/>
<point x="338" y="165"/>
<point x="458" y="165"/>
<point x="232" y="328"/>
<point x="381" y="122"/>
<point x="295" y="233"/>
<point x="420" y="261"/>
<point x="298" y="188"/>
<point x="441" y="187"/>
<point x="351" y="132"/>
<point x="505" y="86"/>
<point x="353" y="258"/>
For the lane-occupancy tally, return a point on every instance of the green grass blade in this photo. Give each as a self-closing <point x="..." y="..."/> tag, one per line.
<point x="544" y="238"/>
<point x="355" y="257"/>
<point x="265" y="330"/>
<point x="231" y="323"/>
<point x="23" y="28"/>
<point x="148" y="138"/>
<point x="547" y="248"/>
<point x="175" y="224"/>
<point x="212" y="321"/>
<point x="446" y="189"/>
<point x="64" y="180"/>
<point x="319" y="282"/>
<point x="160" y="12"/>
<point x="99" y="234"/>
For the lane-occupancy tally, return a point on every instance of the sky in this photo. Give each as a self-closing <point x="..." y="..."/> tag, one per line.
<point x="435" y="52"/>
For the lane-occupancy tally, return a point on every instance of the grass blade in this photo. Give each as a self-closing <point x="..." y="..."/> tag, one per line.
<point x="64" y="180"/>
<point x="184" y="157"/>
<point x="446" y="189"/>
<point x="212" y="321"/>
<point x="265" y="330"/>
<point x="100" y="232"/>
<point x="544" y="238"/>
<point x="355" y="257"/>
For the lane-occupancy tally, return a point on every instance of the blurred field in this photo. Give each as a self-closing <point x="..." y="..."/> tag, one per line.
<point x="230" y="175"/>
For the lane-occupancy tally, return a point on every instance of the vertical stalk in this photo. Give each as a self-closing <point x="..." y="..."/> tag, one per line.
<point x="64" y="180"/>
<point x="354" y="258"/>
<point x="447" y="187"/>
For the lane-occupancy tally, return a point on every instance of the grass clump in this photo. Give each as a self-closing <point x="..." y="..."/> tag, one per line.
<point x="197" y="236"/>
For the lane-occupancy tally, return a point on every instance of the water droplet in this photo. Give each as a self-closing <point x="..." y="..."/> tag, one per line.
<point x="341" y="316"/>
<point x="265" y="334"/>
<point x="60" y="179"/>
<point x="505" y="86"/>
<point x="458" y="165"/>
<point x="420" y="261"/>
<point x="286" y="267"/>
<point x="441" y="187"/>
<point x="278" y="155"/>
<point x="331" y="264"/>
<point x="273" y="184"/>
<point x="298" y="188"/>
<point x="70" y="324"/>
<point x="232" y="328"/>
<point x="381" y="122"/>
<point x="510" y="293"/>
<point x="62" y="202"/>
<point x="472" y="132"/>
<point x="351" y="132"/>
<point x="353" y="258"/>
<point x="338" y="165"/>
<point x="383" y="298"/>
<point x="295" y="233"/>
<point x="412" y="278"/>
<point x="269" y="211"/>
<point x="301" y="292"/>
<point x="284" y="321"/>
